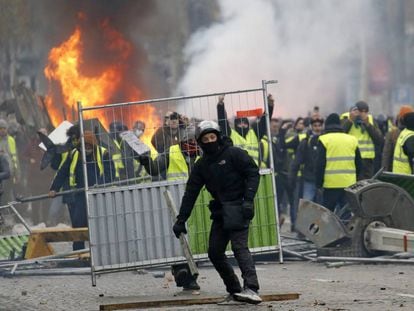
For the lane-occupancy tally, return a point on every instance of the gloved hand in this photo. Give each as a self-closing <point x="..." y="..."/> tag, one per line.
<point x="248" y="210"/>
<point x="179" y="227"/>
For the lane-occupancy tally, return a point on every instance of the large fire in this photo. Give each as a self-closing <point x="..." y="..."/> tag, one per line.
<point x="72" y="80"/>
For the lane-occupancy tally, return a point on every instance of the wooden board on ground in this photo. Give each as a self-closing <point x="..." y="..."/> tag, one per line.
<point x="39" y="239"/>
<point x="138" y="302"/>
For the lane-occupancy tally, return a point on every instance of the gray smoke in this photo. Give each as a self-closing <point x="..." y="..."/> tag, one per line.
<point x="306" y="45"/>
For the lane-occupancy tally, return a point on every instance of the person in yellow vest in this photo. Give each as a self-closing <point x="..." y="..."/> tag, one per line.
<point x="392" y="136"/>
<point x="9" y="149"/>
<point x="362" y="126"/>
<point x="99" y="170"/>
<point x="115" y="130"/>
<point x="57" y="160"/>
<point x="243" y="135"/>
<point x="403" y="160"/>
<point x="177" y="163"/>
<point x="338" y="162"/>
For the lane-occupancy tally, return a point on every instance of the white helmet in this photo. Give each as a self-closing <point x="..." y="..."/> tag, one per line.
<point x="207" y="127"/>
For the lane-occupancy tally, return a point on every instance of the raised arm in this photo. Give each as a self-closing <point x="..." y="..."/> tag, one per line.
<point x="222" y="117"/>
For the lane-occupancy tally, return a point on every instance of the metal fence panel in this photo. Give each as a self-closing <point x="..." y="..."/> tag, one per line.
<point x="130" y="224"/>
<point x="132" y="227"/>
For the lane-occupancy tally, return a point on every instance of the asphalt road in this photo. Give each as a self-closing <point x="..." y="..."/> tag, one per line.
<point x="356" y="287"/>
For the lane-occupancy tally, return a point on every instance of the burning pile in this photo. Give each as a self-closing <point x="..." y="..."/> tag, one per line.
<point x="94" y="67"/>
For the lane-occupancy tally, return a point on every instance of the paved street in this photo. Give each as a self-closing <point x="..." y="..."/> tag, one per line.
<point x="357" y="287"/>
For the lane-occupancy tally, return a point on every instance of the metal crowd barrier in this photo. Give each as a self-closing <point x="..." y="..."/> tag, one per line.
<point x="130" y="225"/>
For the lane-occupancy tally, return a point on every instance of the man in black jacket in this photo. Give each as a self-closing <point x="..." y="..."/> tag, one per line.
<point x="230" y="175"/>
<point x="305" y="159"/>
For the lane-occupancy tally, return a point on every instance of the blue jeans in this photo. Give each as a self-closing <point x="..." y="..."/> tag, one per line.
<point x="309" y="191"/>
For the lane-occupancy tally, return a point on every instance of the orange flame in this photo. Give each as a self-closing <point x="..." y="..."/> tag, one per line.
<point x="69" y="82"/>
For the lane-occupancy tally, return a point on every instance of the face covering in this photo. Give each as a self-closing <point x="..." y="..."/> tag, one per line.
<point x="138" y="133"/>
<point x="242" y="130"/>
<point x="210" y="148"/>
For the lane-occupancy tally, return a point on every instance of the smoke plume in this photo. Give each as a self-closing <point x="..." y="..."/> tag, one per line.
<point x="305" y="45"/>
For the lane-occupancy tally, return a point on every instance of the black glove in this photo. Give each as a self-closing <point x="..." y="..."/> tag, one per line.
<point x="248" y="210"/>
<point x="179" y="227"/>
<point x="144" y="158"/>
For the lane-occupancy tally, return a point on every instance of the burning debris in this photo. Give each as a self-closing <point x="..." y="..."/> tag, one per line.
<point x="94" y="67"/>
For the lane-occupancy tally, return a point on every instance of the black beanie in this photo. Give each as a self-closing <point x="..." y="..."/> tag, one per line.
<point x="362" y="106"/>
<point x="409" y="120"/>
<point x="332" y="119"/>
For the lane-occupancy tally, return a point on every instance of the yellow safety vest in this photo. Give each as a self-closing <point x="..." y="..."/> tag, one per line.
<point x="365" y="144"/>
<point x="13" y="152"/>
<point x="64" y="157"/>
<point x="75" y="156"/>
<point x="265" y="155"/>
<point x="340" y="171"/>
<point x="401" y="163"/>
<point x="250" y="143"/>
<point x="343" y="116"/>
<point x="117" y="159"/>
<point x="177" y="167"/>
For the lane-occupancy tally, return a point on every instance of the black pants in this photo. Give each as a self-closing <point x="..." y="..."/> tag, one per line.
<point x="367" y="169"/>
<point x="78" y="217"/>
<point x="219" y="239"/>
<point x="283" y="192"/>
<point x="333" y="197"/>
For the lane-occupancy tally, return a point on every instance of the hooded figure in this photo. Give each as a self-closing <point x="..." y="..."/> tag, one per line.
<point x="232" y="178"/>
<point x="242" y="126"/>
<point x="244" y="135"/>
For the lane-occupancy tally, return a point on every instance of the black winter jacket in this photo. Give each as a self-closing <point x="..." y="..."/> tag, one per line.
<point x="229" y="175"/>
<point x="306" y="154"/>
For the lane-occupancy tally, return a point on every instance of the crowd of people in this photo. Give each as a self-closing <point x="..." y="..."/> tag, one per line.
<point x="314" y="158"/>
<point x="299" y="156"/>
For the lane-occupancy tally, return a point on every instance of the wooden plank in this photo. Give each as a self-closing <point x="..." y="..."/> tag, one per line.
<point x="37" y="247"/>
<point x="56" y="229"/>
<point x="63" y="234"/>
<point x="39" y="239"/>
<point x="122" y="303"/>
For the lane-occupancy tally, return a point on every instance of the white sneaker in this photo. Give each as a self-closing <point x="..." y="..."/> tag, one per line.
<point x="249" y="296"/>
<point x="230" y="301"/>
